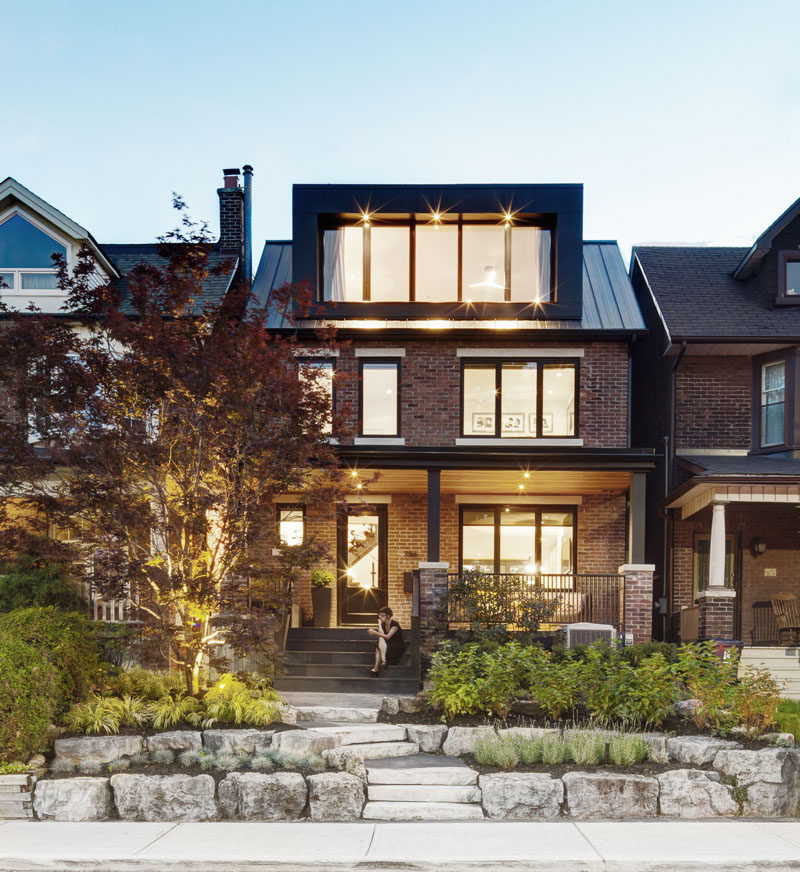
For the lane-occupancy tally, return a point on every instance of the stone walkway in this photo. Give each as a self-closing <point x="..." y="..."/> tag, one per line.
<point x="656" y="846"/>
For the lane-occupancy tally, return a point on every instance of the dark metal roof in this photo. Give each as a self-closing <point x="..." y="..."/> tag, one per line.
<point x="739" y="465"/>
<point x="608" y="299"/>
<point x="698" y="297"/>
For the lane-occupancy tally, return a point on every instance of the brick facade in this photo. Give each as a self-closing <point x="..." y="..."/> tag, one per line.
<point x="638" y="601"/>
<point x="716" y="615"/>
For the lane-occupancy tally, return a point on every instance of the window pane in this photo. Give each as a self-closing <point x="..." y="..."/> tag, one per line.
<point x="389" y="262"/>
<point x="530" y="264"/>
<point x="792" y="277"/>
<point x="518" y="400"/>
<point x="25" y="246"/>
<point x="483" y="264"/>
<point x="291" y="526"/>
<point x="344" y="264"/>
<point x="320" y="374"/>
<point x="39" y="282"/>
<point x="557" y="532"/>
<point x="478" y="540"/>
<point x="773" y="379"/>
<point x="558" y="400"/>
<point x="772" y="424"/>
<point x="379" y="399"/>
<point x="8" y="280"/>
<point x="362" y="551"/>
<point x="479" y="400"/>
<point x="517" y="540"/>
<point x="436" y="261"/>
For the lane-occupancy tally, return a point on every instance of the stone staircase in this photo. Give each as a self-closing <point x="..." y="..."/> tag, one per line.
<point x="367" y="741"/>
<point x="422" y="787"/>
<point x="337" y="660"/>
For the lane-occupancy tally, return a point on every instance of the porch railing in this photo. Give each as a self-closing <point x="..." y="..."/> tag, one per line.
<point x="594" y="598"/>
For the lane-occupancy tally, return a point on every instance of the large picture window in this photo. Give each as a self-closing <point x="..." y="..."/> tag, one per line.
<point x="773" y="403"/>
<point x="26" y="257"/>
<point x="518" y="539"/>
<point x="458" y="259"/>
<point x="380" y="397"/>
<point x="519" y="399"/>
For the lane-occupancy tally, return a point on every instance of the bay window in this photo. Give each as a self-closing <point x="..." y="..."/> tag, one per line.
<point x="379" y="400"/>
<point x="519" y="399"/>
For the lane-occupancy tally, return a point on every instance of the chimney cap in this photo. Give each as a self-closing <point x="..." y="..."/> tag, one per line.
<point x="247" y="169"/>
<point x="234" y="171"/>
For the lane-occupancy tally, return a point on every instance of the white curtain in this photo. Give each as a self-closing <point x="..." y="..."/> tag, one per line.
<point x="541" y="264"/>
<point x="333" y="242"/>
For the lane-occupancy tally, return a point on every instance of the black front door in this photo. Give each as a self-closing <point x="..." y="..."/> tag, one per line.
<point x="363" y="578"/>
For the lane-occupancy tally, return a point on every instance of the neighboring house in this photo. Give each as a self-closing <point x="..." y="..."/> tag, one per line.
<point x="716" y="387"/>
<point x="484" y="378"/>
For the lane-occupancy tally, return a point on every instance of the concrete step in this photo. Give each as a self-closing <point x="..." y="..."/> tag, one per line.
<point x="352" y="670"/>
<point x="336" y="713"/>
<point x="378" y="750"/>
<point x="334" y="634"/>
<point x="314" y="684"/>
<point x="421" y="769"/>
<point x="359" y="644"/>
<point x="363" y="735"/>
<point x="423" y="793"/>
<point x="334" y="658"/>
<point x="422" y="811"/>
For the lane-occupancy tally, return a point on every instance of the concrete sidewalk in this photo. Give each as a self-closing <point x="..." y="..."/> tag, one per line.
<point x="663" y="846"/>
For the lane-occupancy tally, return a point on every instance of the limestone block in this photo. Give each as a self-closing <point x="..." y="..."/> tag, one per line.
<point x="521" y="795"/>
<point x="411" y="704"/>
<point x="73" y="799"/>
<point x="390" y="705"/>
<point x="175" y="740"/>
<point x="96" y="750"/>
<point x="345" y="760"/>
<point x="692" y="794"/>
<point x="288" y="715"/>
<point x="461" y="740"/>
<point x="237" y="741"/>
<point x="605" y="795"/>
<point x="305" y="741"/>
<point x="770" y="776"/>
<point x="697" y="750"/>
<point x="335" y="796"/>
<point x="164" y="797"/>
<point x="428" y="737"/>
<point x="254" y="796"/>
<point x="770" y="800"/>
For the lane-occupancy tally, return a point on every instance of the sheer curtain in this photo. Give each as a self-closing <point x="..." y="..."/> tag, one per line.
<point x="541" y="265"/>
<point x="333" y="243"/>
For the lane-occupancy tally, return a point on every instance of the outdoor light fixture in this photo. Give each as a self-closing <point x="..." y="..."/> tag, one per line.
<point x="365" y="219"/>
<point x="758" y="546"/>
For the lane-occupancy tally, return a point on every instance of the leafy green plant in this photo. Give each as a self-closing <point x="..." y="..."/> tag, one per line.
<point x="756" y="700"/>
<point x="556" y="687"/>
<point x="98" y="714"/>
<point x="27" y="699"/>
<point x="587" y="748"/>
<point x="626" y="750"/>
<point x="322" y="578"/>
<point x="134" y="711"/>
<point x="168" y="712"/>
<point x="555" y="751"/>
<point x="14" y="768"/>
<point x="712" y="683"/>
<point x="27" y="581"/>
<point x="231" y="701"/>
<point x="529" y="750"/>
<point x="190" y="757"/>
<point x="147" y="683"/>
<point x="453" y="678"/>
<point x="162" y="757"/>
<point x="62" y="766"/>
<point x="500" y="752"/>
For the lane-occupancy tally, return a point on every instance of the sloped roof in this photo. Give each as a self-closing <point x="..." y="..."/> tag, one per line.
<point x="609" y="302"/>
<point x="698" y="297"/>
<point x="764" y="242"/>
<point x="740" y="465"/>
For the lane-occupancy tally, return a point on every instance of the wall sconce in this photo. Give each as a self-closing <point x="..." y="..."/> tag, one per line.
<point x="758" y="546"/>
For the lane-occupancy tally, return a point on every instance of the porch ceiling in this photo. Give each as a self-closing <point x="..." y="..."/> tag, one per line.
<point x="480" y="481"/>
<point x="697" y="497"/>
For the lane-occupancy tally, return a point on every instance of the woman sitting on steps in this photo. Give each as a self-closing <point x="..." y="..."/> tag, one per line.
<point x="390" y="646"/>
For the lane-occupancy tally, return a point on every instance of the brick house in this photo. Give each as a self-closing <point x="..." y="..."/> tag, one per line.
<point x="484" y="376"/>
<point x="715" y="388"/>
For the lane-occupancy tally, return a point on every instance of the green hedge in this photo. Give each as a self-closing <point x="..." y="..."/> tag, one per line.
<point x="28" y="692"/>
<point x="26" y="583"/>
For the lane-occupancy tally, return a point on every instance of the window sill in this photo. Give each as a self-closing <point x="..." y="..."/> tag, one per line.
<point x="476" y="440"/>
<point x="379" y="440"/>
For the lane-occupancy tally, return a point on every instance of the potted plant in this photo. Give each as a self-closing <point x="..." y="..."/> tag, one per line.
<point x="321" y="594"/>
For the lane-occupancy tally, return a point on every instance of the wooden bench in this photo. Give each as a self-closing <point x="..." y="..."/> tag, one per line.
<point x="787" y="616"/>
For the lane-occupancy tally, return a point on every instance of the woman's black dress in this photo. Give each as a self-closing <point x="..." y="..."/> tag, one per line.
<point x="394" y="645"/>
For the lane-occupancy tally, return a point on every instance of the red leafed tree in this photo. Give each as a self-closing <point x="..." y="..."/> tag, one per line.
<point x="158" y="425"/>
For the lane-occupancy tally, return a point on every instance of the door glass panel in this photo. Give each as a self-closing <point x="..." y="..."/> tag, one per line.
<point x="518" y="400"/>
<point x="479" y="396"/>
<point x="478" y="540"/>
<point x="362" y="552"/>
<point x="517" y="540"/>
<point x="483" y="264"/>
<point x="436" y="262"/>
<point x="558" y="400"/>
<point x="557" y="543"/>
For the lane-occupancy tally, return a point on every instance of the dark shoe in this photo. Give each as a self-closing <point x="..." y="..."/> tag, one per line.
<point x="373" y="673"/>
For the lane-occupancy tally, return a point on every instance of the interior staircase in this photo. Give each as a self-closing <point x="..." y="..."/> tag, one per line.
<point x="337" y="660"/>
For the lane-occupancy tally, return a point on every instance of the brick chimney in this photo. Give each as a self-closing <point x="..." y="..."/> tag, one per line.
<point x="231" y="214"/>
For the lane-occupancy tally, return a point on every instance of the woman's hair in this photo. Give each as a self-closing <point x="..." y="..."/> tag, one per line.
<point x="385" y="611"/>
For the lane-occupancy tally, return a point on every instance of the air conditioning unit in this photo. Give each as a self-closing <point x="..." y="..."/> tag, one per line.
<point x="585" y="633"/>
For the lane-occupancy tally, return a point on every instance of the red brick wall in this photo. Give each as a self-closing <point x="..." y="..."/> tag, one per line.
<point x="713" y="402"/>
<point x="601" y="534"/>
<point x="638" y="605"/>
<point x="430" y="390"/>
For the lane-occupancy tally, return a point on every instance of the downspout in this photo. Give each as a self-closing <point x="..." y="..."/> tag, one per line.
<point x="669" y="453"/>
<point x="247" y="253"/>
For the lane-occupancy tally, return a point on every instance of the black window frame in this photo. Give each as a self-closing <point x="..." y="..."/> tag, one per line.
<point x="366" y="361"/>
<point x="537" y="509"/>
<point x="310" y="358"/>
<point x="457" y="220"/>
<point x="292" y="507"/>
<point x="541" y="362"/>
<point x="789" y="358"/>
<point x="784" y="258"/>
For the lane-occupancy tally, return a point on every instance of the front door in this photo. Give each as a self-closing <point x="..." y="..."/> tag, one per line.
<point x="363" y="576"/>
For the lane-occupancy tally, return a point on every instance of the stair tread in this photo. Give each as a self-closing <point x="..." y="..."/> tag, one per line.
<point x="421" y="811"/>
<point x="466" y="793"/>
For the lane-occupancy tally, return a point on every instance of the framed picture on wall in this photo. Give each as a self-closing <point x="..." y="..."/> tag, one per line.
<point x="482" y="422"/>
<point x="513" y="422"/>
<point x="547" y="424"/>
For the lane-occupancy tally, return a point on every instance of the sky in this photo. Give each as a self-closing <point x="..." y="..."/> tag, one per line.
<point x="681" y="119"/>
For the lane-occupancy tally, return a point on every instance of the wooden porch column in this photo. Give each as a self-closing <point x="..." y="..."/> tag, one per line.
<point x="716" y="557"/>
<point x="636" y="517"/>
<point x="716" y="606"/>
<point x="434" y="501"/>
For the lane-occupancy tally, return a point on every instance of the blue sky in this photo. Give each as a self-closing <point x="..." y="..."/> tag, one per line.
<point x="681" y="119"/>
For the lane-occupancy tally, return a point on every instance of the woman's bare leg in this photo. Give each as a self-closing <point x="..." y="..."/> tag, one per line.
<point x="377" y="665"/>
<point x="382" y="650"/>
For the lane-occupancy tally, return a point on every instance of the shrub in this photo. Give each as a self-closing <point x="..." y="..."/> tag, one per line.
<point x="99" y="714"/>
<point x="162" y="756"/>
<point x="712" y="682"/>
<point x="556" y="687"/>
<point x="555" y="750"/>
<point x="26" y="582"/>
<point x="634" y="654"/>
<point x="191" y="757"/>
<point x="453" y="676"/>
<point x="28" y="698"/>
<point x="231" y="701"/>
<point x="134" y="711"/>
<point x="757" y="698"/>
<point x="66" y="639"/>
<point x="14" y="768"/>
<point x="262" y="762"/>
<point x="167" y="712"/>
<point x="147" y="683"/>
<point x="626" y="750"/>
<point x="500" y="752"/>
<point x="528" y="750"/>
<point x="585" y="747"/>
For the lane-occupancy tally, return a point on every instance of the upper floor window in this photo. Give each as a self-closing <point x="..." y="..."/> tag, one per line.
<point x="454" y="260"/>
<point x="320" y="373"/>
<point x="773" y="403"/>
<point x="26" y="257"/>
<point x="291" y="525"/>
<point x="519" y="399"/>
<point x="789" y="277"/>
<point x="380" y="397"/>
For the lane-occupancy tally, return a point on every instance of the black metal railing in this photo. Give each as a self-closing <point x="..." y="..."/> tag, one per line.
<point x="502" y="598"/>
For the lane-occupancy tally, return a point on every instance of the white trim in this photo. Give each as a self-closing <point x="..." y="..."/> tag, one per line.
<point x="380" y="352"/>
<point x="524" y="443"/>
<point x="379" y="440"/>
<point x="712" y="452"/>
<point x="442" y="564"/>
<point x="516" y="500"/>
<point x="717" y="593"/>
<point x="636" y="567"/>
<point x="519" y="352"/>
<point x="367" y="499"/>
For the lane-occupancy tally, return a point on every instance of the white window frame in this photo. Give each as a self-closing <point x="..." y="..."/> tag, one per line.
<point x="17" y="291"/>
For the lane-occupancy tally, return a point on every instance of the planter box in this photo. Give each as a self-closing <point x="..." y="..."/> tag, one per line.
<point x="321" y="602"/>
<point x="16" y="795"/>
